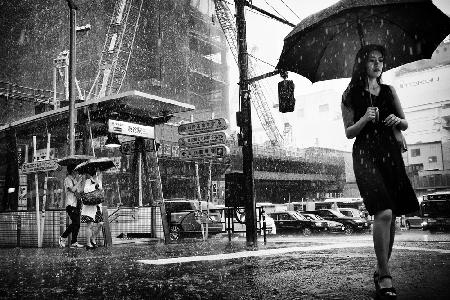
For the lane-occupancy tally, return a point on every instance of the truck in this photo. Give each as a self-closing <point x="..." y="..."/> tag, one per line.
<point x="435" y="211"/>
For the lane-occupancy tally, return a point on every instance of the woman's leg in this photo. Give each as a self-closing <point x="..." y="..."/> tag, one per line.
<point x="89" y="233"/>
<point x="381" y="242"/>
<point x="391" y="241"/>
<point x="94" y="233"/>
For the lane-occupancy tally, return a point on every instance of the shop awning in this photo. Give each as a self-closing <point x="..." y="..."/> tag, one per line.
<point x="133" y="106"/>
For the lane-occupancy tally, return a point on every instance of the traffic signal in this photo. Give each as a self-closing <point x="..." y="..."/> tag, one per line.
<point x="234" y="190"/>
<point x="286" y="96"/>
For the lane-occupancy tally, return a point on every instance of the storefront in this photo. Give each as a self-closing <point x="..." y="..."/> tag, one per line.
<point x="43" y="139"/>
<point x="48" y="132"/>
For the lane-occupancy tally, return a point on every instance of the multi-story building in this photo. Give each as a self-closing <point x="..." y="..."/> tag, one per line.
<point x="425" y="93"/>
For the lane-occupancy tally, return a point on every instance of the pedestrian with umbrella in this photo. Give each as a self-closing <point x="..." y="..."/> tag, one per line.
<point x="93" y="195"/>
<point x="371" y="110"/>
<point x="322" y="47"/>
<point x="73" y="204"/>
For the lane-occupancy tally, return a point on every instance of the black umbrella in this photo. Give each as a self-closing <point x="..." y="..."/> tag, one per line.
<point x="323" y="46"/>
<point x="102" y="164"/>
<point x="73" y="160"/>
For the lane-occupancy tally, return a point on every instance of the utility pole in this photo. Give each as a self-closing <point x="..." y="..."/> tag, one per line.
<point x="245" y="123"/>
<point x="72" y="75"/>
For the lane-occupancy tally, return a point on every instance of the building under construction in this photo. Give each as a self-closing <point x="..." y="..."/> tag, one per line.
<point x="173" y="49"/>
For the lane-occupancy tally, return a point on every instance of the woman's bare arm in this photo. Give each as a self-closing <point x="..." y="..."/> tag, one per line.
<point x="403" y="125"/>
<point x="352" y="129"/>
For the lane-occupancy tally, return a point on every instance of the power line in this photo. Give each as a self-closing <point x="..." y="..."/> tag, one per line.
<point x="291" y="10"/>
<point x="275" y="10"/>
<point x="249" y="54"/>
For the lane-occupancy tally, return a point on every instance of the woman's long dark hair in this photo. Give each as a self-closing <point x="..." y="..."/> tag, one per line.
<point x="359" y="74"/>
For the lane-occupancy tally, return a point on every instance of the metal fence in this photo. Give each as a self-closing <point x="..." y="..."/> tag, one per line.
<point x="126" y="224"/>
<point x="19" y="228"/>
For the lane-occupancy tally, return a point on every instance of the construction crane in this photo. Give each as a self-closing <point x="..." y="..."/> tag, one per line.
<point x="117" y="49"/>
<point x="226" y="21"/>
<point x="15" y="91"/>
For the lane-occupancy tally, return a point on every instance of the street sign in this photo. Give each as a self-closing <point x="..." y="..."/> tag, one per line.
<point x="212" y="138"/>
<point x="216" y="151"/>
<point x="130" y="146"/>
<point x="40" y="166"/>
<point x="203" y="126"/>
<point x="126" y="128"/>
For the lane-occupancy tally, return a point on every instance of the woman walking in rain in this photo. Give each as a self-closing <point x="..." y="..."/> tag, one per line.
<point x="92" y="214"/>
<point x="370" y="110"/>
<point x="71" y="186"/>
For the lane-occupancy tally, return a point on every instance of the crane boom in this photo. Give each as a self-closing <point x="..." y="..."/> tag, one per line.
<point x="225" y="18"/>
<point x="117" y="49"/>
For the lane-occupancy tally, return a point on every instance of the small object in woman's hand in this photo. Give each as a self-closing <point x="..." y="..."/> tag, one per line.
<point x="377" y="115"/>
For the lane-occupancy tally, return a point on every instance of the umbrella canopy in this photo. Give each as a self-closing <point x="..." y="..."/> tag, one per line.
<point x="102" y="163"/>
<point x="73" y="160"/>
<point x="323" y="46"/>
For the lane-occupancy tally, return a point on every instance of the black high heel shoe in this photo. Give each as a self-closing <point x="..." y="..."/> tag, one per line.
<point x="385" y="293"/>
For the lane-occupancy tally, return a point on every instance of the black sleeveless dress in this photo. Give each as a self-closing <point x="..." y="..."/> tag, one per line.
<point x="377" y="160"/>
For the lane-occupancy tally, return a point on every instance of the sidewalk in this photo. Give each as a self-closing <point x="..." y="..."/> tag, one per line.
<point x="297" y="268"/>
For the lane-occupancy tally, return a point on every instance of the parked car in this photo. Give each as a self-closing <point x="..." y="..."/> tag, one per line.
<point x="413" y="222"/>
<point x="291" y="221"/>
<point x="351" y="212"/>
<point x="351" y="224"/>
<point x="271" y="228"/>
<point x="333" y="226"/>
<point x="239" y="217"/>
<point x="186" y="218"/>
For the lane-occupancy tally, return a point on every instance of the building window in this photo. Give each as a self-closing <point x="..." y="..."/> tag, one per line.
<point x="432" y="159"/>
<point x="324" y="108"/>
<point x="415" y="152"/>
<point x="300" y="113"/>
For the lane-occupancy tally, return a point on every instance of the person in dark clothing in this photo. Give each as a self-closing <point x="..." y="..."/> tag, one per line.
<point x="370" y="110"/>
<point x="71" y="186"/>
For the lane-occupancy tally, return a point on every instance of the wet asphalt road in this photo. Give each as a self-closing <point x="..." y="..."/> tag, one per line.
<point x="287" y="267"/>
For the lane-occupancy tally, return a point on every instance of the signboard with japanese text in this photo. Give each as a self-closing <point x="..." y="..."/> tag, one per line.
<point x="215" y="151"/>
<point x="41" y="154"/>
<point x="175" y="151"/>
<point x="213" y="138"/>
<point x="126" y="128"/>
<point x="129" y="147"/>
<point x="203" y="126"/>
<point x="40" y="166"/>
